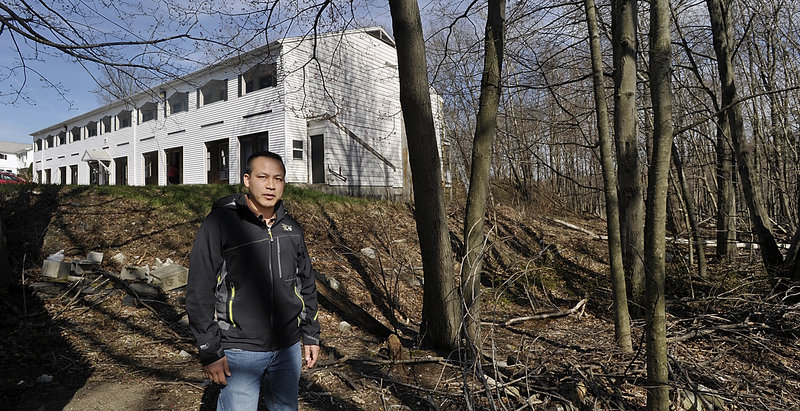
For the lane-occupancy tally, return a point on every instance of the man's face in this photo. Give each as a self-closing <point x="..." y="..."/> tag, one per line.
<point x="265" y="184"/>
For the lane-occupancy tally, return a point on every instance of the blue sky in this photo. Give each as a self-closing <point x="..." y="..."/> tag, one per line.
<point x="19" y="120"/>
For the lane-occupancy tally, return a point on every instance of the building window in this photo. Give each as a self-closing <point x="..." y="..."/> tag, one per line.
<point x="259" y="77"/>
<point x="91" y="129"/>
<point x="124" y="118"/>
<point x="105" y="125"/>
<point x="297" y="149"/>
<point x="177" y="102"/>
<point x="3" y="156"/>
<point x="62" y="138"/>
<point x="149" y="111"/>
<point x="75" y="134"/>
<point x="250" y="144"/>
<point x="213" y="91"/>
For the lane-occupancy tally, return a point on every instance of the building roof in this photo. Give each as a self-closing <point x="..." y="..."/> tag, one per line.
<point x="11" y="147"/>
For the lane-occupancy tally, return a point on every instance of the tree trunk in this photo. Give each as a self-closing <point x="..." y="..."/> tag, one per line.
<point x="690" y="213"/>
<point x="726" y="194"/>
<point x="485" y="131"/>
<point x="722" y="32"/>
<point x="631" y="202"/>
<point x="622" y="326"/>
<point x="440" y="310"/>
<point x="6" y="277"/>
<point x="655" y="219"/>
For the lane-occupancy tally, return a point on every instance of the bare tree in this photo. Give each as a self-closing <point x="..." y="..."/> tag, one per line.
<point x="629" y="172"/>
<point x="721" y="28"/>
<point x="656" y="210"/>
<point x="6" y="276"/>
<point x="691" y="214"/>
<point x="485" y="130"/>
<point x="440" y="310"/>
<point x="622" y="326"/>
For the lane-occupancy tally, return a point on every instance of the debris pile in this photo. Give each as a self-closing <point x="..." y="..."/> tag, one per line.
<point x="165" y="275"/>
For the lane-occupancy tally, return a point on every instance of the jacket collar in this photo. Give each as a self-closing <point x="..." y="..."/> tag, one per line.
<point x="247" y="213"/>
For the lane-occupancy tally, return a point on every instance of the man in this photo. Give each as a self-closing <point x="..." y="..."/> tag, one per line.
<point x="251" y="295"/>
<point x="172" y="174"/>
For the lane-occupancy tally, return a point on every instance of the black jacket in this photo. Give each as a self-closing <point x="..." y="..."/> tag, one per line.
<point x="250" y="286"/>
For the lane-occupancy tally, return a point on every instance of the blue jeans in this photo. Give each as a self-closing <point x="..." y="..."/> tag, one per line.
<point x="279" y="370"/>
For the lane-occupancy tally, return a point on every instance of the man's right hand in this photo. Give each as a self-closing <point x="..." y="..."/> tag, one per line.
<point x="217" y="371"/>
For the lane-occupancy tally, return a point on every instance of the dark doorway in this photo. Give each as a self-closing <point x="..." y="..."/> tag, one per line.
<point x="150" y="168"/>
<point x="73" y="174"/>
<point x="174" y="165"/>
<point x="98" y="173"/>
<point x="217" y="161"/>
<point x="248" y="145"/>
<point x="62" y="175"/>
<point x="121" y="171"/>
<point x="318" y="159"/>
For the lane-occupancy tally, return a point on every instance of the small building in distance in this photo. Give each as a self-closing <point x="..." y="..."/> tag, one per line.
<point x="15" y="157"/>
<point x="329" y="105"/>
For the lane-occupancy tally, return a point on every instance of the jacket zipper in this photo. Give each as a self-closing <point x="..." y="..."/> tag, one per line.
<point x="271" y="278"/>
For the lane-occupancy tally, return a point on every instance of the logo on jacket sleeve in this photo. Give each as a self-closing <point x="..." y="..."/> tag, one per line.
<point x="286" y="227"/>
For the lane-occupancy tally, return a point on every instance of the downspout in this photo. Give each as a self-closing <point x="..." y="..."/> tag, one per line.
<point x="135" y="157"/>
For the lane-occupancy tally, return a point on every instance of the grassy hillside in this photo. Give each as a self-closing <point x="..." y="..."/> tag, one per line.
<point x="100" y="345"/>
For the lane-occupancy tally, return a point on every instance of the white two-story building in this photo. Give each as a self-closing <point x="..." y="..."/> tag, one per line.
<point x="15" y="157"/>
<point x="329" y="104"/>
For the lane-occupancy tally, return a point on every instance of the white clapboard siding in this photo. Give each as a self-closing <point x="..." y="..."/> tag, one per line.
<point x="353" y="78"/>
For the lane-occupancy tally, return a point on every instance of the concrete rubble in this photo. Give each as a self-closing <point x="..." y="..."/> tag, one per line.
<point x="164" y="275"/>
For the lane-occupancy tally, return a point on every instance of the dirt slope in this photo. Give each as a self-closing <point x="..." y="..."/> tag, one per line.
<point x="88" y="345"/>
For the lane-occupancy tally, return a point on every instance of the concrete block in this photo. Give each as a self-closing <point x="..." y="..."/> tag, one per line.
<point x="55" y="269"/>
<point x="83" y="266"/>
<point x="130" y="272"/>
<point x="95" y="256"/>
<point x="170" y="277"/>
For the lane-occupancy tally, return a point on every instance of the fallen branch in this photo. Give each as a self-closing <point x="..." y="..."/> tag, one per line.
<point x="705" y="331"/>
<point x="352" y="312"/>
<point x="708" y="243"/>
<point x="543" y="316"/>
<point x="385" y="380"/>
<point x="426" y="360"/>
<point x="346" y="359"/>
<point x="121" y="283"/>
<point x="583" y="230"/>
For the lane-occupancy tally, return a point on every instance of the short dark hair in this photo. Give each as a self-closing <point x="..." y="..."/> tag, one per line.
<point x="266" y="154"/>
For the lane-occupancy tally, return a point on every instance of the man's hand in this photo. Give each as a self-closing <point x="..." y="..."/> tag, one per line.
<point x="218" y="370"/>
<point x="311" y="355"/>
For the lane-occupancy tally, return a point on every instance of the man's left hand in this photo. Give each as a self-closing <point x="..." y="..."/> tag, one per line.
<point x="311" y="355"/>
